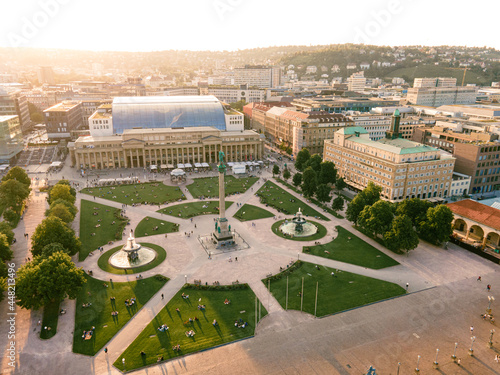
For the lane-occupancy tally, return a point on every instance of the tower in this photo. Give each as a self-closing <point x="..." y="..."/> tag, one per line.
<point x="394" y="130"/>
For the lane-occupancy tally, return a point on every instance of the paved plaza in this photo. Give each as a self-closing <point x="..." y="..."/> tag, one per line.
<point x="444" y="300"/>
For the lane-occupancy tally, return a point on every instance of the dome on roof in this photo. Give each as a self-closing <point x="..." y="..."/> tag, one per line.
<point x="396" y="112"/>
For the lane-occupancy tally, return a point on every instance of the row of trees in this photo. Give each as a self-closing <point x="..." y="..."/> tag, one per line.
<point x="400" y="224"/>
<point x="14" y="190"/>
<point x="51" y="275"/>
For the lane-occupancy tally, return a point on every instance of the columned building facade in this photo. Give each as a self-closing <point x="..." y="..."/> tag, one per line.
<point x="143" y="147"/>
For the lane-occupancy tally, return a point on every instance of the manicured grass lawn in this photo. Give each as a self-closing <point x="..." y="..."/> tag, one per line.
<point x="50" y="318"/>
<point x="105" y="232"/>
<point x="152" y="192"/>
<point x="344" y="291"/>
<point x="274" y="196"/>
<point x="156" y="344"/>
<point x="147" y="225"/>
<point x="250" y="212"/>
<point x="208" y="187"/>
<point x="319" y="234"/>
<point x="187" y="210"/>
<point x="104" y="265"/>
<point x="98" y="315"/>
<point x="353" y="251"/>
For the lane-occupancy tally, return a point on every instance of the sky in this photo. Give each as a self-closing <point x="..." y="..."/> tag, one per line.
<point x="147" y="25"/>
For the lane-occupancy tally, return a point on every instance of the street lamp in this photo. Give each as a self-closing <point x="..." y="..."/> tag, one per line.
<point x="471" y="351"/>
<point x="123" y="361"/>
<point x="185" y="279"/>
<point x="399" y="365"/>
<point x="418" y="361"/>
<point x="490" y="300"/>
<point x="490" y="343"/>
<point x="436" y="364"/>
<point x="454" y="357"/>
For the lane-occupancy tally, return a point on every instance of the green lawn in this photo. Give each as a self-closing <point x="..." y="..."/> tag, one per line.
<point x="105" y="233"/>
<point x="98" y="315"/>
<point x="104" y="265"/>
<point x="353" y="251"/>
<point x="319" y="234"/>
<point x="148" y="224"/>
<point x="156" y="344"/>
<point x="49" y="320"/>
<point x="187" y="210"/>
<point x="250" y="212"/>
<point x="336" y="293"/>
<point x="208" y="187"/>
<point x="274" y="196"/>
<point x="151" y="192"/>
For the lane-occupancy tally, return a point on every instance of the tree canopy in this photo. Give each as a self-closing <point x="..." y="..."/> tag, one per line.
<point x="18" y="174"/>
<point x="53" y="229"/>
<point x="309" y="182"/>
<point x="315" y="163"/>
<point x="338" y="204"/>
<point x="328" y="173"/>
<point x="377" y="218"/>
<point x="367" y="197"/>
<point x="276" y="169"/>
<point x="6" y="229"/>
<point x="60" y="211"/>
<point x="71" y="207"/>
<point x="286" y="174"/>
<point x="52" y="248"/>
<point x="297" y="179"/>
<point x="5" y="251"/>
<point x="415" y="209"/>
<point x="323" y="193"/>
<point x="302" y="158"/>
<point x="13" y="193"/>
<point x="340" y="184"/>
<point x="402" y="235"/>
<point x="61" y="191"/>
<point x="437" y="227"/>
<point x="47" y="280"/>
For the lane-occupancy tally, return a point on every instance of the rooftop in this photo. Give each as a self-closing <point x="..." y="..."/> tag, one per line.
<point x="7" y="118"/>
<point x="62" y="107"/>
<point x="477" y="212"/>
<point x="188" y="99"/>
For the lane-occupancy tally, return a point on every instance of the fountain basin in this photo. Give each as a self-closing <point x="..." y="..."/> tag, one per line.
<point x="308" y="229"/>
<point x="120" y="259"/>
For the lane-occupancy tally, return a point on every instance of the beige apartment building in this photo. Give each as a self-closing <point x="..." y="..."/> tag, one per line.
<point x="165" y="146"/>
<point x="404" y="169"/>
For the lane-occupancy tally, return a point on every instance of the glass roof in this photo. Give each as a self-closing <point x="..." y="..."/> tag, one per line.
<point x="167" y="112"/>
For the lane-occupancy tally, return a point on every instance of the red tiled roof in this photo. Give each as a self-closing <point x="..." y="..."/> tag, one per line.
<point x="477" y="212"/>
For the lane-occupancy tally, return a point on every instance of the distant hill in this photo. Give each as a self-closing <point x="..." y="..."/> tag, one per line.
<point x="472" y="76"/>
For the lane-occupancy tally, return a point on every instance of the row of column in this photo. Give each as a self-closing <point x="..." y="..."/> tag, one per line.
<point x="131" y="158"/>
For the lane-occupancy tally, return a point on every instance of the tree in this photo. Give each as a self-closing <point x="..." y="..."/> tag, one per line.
<point x="315" y="163"/>
<point x="47" y="280"/>
<point x="276" y="170"/>
<point x="37" y="118"/>
<point x="338" y="204"/>
<point x="71" y="188"/>
<point x="340" y="184"/>
<point x="11" y="216"/>
<point x="302" y="158"/>
<point x="60" y="211"/>
<point x="286" y="174"/>
<point x="4" y="270"/>
<point x="328" y="173"/>
<point x="3" y="287"/>
<point x="376" y="218"/>
<point x="61" y="191"/>
<point x="297" y="179"/>
<point x="309" y="183"/>
<point x="5" y="251"/>
<point x="415" y="209"/>
<point x="6" y="229"/>
<point x="437" y="226"/>
<point x="71" y="207"/>
<point x="19" y="174"/>
<point x="13" y="193"/>
<point x="53" y="229"/>
<point x="323" y="193"/>
<point x="402" y="235"/>
<point x="367" y="197"/>
<point x="52" y="248"/>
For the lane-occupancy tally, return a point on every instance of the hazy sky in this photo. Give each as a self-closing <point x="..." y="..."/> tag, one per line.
<point x="148" y="25"/>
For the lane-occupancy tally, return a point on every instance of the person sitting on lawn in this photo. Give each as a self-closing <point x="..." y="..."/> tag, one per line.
<point x="227" y="302"/>
<point x="177" y="309"/>
<point x="214" y="323"/>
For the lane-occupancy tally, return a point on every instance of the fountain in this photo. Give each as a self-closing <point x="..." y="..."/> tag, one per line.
<point x="298" y="227"/>
<point x="132" y="255"/>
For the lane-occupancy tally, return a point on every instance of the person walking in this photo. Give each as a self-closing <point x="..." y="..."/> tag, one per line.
<point x="488" y="287"/>
<point x="162" y="296"/>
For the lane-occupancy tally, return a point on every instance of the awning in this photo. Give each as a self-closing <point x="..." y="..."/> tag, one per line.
<point x="205" y="165"/>
<point x="178" y="172"/>
<point x="55" y="164"/>
<point x="180" y="166"/>
<point x="153" y="167"/>
<point x="188" y="165"/>
<point x="198" y="165"/>
<point x="164" y="166"/>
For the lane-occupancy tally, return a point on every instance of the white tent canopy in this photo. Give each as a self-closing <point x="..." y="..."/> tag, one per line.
<point x="153" y="167"/>
<point x="4" y="167"/>
<point x="180" y="166"/>
<point x="239" y="169"/>
<point x="198" y="165"/>
<point x="56" y="164"/>
<point x="177" y="172"/>
<point x="188" y="165"/>
<point x="205" y="165"/>
<point x="163" y="166"/>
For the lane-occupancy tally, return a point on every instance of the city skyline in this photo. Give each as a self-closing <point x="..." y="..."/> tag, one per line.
<point x="230" y="25"/>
